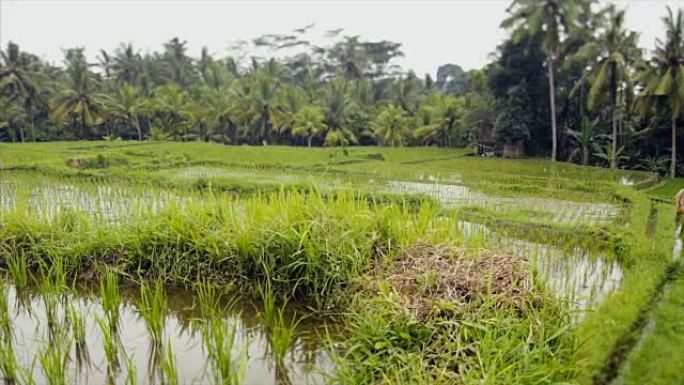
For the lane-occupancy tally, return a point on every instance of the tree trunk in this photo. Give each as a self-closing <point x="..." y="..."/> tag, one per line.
<point x="136" y="122"/>
<point x="613" y="86"/>
<point x="552" y="100"/>
<point x="21" y="133"/>
<point x="32" y="128"/>
<point x="308" y="141"/>
<point x="673" y="166"/>
<point x="83" y="126"/>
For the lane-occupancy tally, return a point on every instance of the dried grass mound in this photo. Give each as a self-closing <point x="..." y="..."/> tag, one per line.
<point x="426" y="274"/>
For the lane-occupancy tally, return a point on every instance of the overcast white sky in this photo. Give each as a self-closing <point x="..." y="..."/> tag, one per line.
<point x="464" y="32"/>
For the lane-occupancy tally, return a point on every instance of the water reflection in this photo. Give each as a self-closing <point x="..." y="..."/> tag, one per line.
<point x="563" y="211"/>
<point x="42" y="321"/>
<point x="574" y="274"/>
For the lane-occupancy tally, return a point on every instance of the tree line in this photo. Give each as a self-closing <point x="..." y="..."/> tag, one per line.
<point x="570" y="82"/>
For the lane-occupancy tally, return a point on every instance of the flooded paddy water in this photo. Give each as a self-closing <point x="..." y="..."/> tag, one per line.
<point x="40" y="322"/>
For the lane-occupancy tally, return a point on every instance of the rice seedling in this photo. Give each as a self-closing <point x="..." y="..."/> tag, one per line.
<point x="111" y="298"/>
<point x="169" y="372"/>
<point x="153" y="308"/>
<point x="17" y="267"/>
<point x="209" y="299"/>
<point x="78" y="332"/>
<point x="54" y="360"/>
<point x="131" y="371"/>
<point x="110" y="344"/>
<point x="219" y="341"/>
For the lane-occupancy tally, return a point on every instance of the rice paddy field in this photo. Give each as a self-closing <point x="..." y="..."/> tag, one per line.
<point x="195" y="263"/>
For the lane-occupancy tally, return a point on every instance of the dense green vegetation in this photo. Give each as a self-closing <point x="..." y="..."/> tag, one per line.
<point x="569" y="82"/>
<point x="434" y="266"/>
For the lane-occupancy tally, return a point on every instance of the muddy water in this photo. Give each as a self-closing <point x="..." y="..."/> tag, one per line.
<point x="562" y="211"/>
<point x="575" y="275"/>
<point x="305" y="362"/>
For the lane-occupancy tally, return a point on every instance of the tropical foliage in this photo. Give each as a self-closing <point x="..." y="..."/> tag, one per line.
<point x="570" y="82"/>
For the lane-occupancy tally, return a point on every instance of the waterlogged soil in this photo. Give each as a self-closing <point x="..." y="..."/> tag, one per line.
<point x="574" y="274"/>
<point x="305" y="363"/>
<point x="561" y="211"/>
<point x="110" y="203"/>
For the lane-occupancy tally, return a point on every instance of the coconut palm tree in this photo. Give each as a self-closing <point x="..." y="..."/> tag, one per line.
<point x="79" y="102"/>
<point x="337" y="104"/>
<point x="262" y="101"/>
<point x="664" y="78"/>
<point x="616" y="50"/>
<point x="17" y="80"/>
<point x="529" y="18"/>
<point x="169" y="102"/>
<point x="126" y="65"/>
<point x="309" y="121"/>
<point x="220" y="106"/>
<point x="391" y="125"/>
<point x="128" y="105"/>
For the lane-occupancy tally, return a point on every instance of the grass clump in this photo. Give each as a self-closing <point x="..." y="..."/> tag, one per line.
<point x="439" y="315"/>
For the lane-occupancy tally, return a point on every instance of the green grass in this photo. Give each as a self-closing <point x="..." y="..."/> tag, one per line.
<point x="317" y="225"/>
<point x="656" y="358"/>
<point x="668" y="190"/>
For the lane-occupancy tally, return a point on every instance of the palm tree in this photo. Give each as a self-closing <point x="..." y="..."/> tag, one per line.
<point x="220" y="106"/>
<point x="290" y="101"/>
<point x="664" y="78"/>
<point x="262" y="100"/>
<point x="616" y="49"/>
<point x="79" y="101"/>
<point x="390" y="125"/>
<point x="17" y="81"/>
<point x="128" y="105"/>
<point x="548" y="17"/>
<point x="169" y="102"/>
<point x="309" y="121"/>
<point x="126" y="64"/>
<point x="179" y="63"/>
<point x="10" y="115"/>
<point x="337" y="104"/>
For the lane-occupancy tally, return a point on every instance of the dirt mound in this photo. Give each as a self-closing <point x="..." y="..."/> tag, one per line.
<point x="426" y="274"/>
<point x="76" y="162"/>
